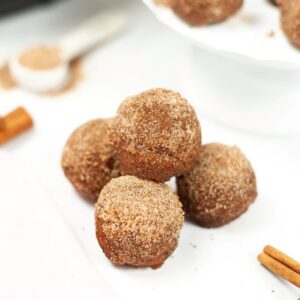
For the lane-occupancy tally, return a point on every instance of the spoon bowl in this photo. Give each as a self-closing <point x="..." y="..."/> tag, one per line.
<point x="76" y="43"/>
<point x="41" y="81"/>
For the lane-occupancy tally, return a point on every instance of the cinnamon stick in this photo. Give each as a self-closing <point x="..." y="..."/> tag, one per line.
<point x="280" y="264"/>
<point x="14" y="124"/>
<point x="1" y="123"/>
<point x="283" y="258"/>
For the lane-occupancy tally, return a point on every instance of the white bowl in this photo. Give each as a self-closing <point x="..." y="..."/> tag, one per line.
<point x="243" y="72"/>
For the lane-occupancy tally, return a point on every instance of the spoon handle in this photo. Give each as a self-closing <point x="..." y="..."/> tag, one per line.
<point x="90" y="33"/>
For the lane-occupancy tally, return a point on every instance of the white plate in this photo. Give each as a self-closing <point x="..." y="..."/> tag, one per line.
<point x="253" y="34"/>
<point x="257" y="88"/>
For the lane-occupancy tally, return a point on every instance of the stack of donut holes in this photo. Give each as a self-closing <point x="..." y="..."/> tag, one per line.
<point x="204" y="12"/>
<point x="122" y="164"/>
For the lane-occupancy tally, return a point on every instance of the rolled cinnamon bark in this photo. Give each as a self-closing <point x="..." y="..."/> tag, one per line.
<point x="283" y="258"/>
<point x="279" y="269"/>
<point x="1" y="123"/>
<point x="14" y="124"/>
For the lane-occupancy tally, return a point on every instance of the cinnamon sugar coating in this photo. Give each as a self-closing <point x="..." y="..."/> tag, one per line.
<point x="290" y="20"/>
<point x="156" y="135"/>
<point x="138" y="222"/>
<point x="89" y="160"/>
<point x="201" y="12"/>
<point x="220" y="187"/>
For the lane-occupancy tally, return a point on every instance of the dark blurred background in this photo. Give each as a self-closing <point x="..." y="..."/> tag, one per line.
<point x="8" y="6"/>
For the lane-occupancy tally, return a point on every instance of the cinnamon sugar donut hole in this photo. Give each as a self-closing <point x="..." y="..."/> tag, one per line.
<point x="202" y="12"/>
<point x="89" y="160"/>
<point x="220" y="187"/>
<point x="290" y="20"/>
<point x="138" y="222"/>
<point x="156" y="135"/>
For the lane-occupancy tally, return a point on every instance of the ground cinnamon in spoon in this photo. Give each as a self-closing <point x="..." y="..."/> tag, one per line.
<point x="41" y="58"/>
<point x="76" y="76"/>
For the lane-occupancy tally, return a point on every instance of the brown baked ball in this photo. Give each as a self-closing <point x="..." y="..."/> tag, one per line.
<point x="138" y="222"/>
<point x="156" y="135"/>
<point x="202" y="12"/>
<point x="290" y="20"/>
<point x="89" y="160"/>
<point x="220" y="187"/>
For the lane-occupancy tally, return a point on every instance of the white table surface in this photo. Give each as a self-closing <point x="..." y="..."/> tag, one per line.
<point x="48" y="248"/>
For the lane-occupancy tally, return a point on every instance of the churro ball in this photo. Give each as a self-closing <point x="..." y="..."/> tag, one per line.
<point x="220" y="187"/>
<point x="201" y="12"/>
<point x="138" y="222"/>
<point x="89" y="160"/>
<point x="156" y="135"/>
<point x="290" y="20"/>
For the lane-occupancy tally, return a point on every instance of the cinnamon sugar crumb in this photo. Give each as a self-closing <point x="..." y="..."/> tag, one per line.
<point x="193" y="245"/>
<point x="248" y="19"/>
